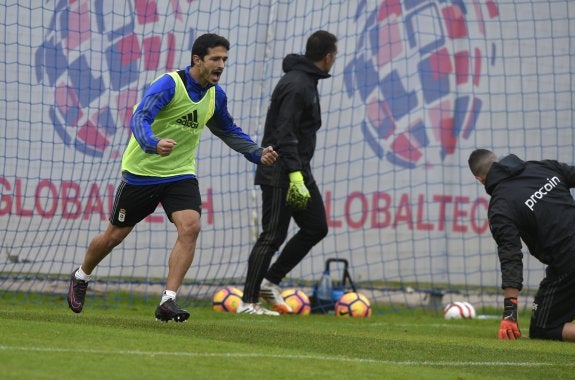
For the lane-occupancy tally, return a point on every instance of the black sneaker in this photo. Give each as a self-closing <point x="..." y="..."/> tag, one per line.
<point x="170" y="310"/>
<point x="76" y="293"/>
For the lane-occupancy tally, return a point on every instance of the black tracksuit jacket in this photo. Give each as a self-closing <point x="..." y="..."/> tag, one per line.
<point x="531" y="201"/>
<point x="292" y="122"/>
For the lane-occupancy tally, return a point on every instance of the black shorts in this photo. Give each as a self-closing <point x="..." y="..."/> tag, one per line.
<point x="553" y="305"/>
<point x="134" y="202"/>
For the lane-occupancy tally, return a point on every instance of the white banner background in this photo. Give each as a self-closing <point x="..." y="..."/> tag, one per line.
<point x="393" y="223"/>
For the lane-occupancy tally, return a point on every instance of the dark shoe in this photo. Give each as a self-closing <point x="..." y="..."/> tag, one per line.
<point x="76" y="293"/>
<point x="170" y="310"/>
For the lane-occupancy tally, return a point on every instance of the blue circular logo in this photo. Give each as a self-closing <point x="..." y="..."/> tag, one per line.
<point x="417" y="70"/>
<point x="94" y="60"/>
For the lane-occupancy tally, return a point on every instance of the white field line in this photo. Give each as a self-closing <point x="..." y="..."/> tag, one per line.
<point x="280" y="356"/>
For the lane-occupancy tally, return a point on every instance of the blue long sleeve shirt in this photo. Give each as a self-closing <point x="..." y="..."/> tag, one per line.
<point x="159" y="94"/>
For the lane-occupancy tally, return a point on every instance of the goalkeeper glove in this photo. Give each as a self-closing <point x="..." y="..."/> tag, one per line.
<point x="509" y="328"/>
<point x="298" y="195"/>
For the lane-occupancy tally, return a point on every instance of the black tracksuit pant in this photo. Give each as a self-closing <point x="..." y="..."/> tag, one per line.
<point x="276" y="217"/>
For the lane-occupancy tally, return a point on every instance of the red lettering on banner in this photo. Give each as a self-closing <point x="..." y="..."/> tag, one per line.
<point x="48" y="197"/>
<point x="443" y="200"/>
<point x="420" y="226"/>
<point x="479" y="229"/>
<point x="404" y="212"/>
<point x="5" y="198"/>
<point x="20" y="211"/>
<point x="420" y="214"/>
<point x="67" y="198"/>
<point x="94" y="203"/>
<point x="110" y="198"/>
<point x="156" y="219"/>
<point x="328" y="212"/>
<point x="363" y="211"/>
<point x="208" y="206"/>
<point x="458" y="213"/>
<point x="53" y="197"/>
<point x="379" y="209"/>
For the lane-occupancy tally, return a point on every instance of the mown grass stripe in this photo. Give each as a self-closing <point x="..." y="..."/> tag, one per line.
<point x="279" y="356"/>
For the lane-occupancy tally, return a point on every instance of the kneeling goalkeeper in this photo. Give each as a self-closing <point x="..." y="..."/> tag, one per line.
<point x="531" y="201"/>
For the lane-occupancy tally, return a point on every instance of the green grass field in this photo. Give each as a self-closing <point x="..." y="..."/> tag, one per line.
<point x="45" y="340"/>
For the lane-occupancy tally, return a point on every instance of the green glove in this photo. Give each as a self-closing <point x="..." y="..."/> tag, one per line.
<point x="298" y="195"/>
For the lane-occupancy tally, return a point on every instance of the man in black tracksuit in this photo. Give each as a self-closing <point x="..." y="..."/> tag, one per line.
<point x="289" y="189"/>
<point x="531" y="201"/>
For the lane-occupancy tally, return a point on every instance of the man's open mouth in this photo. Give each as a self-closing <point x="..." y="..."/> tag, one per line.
<point x="217" y="74"/>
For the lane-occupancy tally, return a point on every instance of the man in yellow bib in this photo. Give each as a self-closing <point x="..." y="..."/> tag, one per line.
<point x="159" y="166"/>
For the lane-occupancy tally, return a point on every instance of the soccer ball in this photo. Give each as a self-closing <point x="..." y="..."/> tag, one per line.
<point x="227" y="300"/>
<point x="298" y="301"/>
<point x="354" y="305"/>
<point x="459" y="310"/>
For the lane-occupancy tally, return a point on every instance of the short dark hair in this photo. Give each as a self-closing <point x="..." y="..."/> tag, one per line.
<point x="208" y="41"/>
<point x="480" y="161"/>
<point x="319" y="44"/>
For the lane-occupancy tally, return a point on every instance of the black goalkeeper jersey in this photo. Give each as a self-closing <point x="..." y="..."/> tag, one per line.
<point x="292" y="122"/>
<point x="531" y="201"/>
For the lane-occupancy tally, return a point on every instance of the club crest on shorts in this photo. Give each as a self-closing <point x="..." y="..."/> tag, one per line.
<point x="122" y="215"/>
